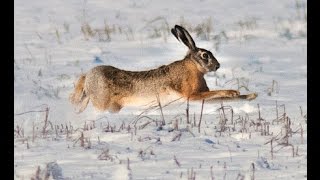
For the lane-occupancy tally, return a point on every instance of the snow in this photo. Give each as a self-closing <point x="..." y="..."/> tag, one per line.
<point x="265" y="52"/>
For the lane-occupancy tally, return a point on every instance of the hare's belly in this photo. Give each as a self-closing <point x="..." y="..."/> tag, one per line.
<point x="150" y="99"/>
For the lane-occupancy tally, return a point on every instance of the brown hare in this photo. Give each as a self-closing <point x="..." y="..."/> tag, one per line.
<point x="110" y="88"/>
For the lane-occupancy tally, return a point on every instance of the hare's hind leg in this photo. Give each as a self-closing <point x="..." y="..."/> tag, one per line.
<point x="114" y="107"/>
<point x="83" y="104"/>
<point x="100" y="103"/>
<point x="103" y="104"/>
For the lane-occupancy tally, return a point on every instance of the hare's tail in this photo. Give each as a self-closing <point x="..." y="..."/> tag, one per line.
<point x="78" y="97"/>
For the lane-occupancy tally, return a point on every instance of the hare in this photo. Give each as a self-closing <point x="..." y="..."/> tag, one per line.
<point x="110" y="88"/>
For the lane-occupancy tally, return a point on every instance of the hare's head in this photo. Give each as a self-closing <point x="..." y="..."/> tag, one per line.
<point x="204" y="59"/>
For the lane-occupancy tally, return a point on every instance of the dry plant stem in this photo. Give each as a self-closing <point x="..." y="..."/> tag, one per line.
<point x="191" y="175"/>
<point x="176" y="137"/>
<point x="159" y="103"/>
<point x="145" y="124"/>
<point x="29" y="112"/>
<point x="222" y="108"/>
<point x="284" y="113"/>
<point x="277" y="112"/>
<point x="231" y="115"/>
<point x="89" y="143"/>
<point x="211" y="173"/>
<point x="222" y="119"/>
<point x="33" y="132"/>
<point x="259" y="113"/>
<point x="292" y="150"/>
<point x="45" y="121"/>
<point x="156" y="107"/>
<point x="200" y="116"/>
<point x="189" y="130"/>
<point x="271" y="149"/>
<point x="128" y="164"/>
<point x="37" y="175"/>
<point x="230" y="153"/>
<point x="253" y="170"/>
<point x="240" y="177"/>
<point x="56" y="130"/>
<point x="176" y="125"/>
<point x="32" y="57"/>
<point x="136" y="120"/>
<point x="187" y="111"/>
<point x="67" y="129"/>
<point x="173" y="101"/>
<point x="176" y="161"/>
<point x="301" y="131"/>
<point x="82" y="140"/>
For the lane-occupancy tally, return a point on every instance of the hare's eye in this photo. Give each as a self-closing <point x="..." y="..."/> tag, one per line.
<point x="205" y="56"/>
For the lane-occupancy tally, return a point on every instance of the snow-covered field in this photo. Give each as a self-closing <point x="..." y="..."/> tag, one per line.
<point x="261" y="46"/>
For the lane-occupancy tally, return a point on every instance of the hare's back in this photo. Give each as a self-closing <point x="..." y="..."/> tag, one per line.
<point x="109" y="74"/>
<point x="108" y="78"/>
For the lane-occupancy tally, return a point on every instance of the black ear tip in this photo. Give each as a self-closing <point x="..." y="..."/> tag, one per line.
<point x="174" y="32"/>
<point x="177" y="26"/>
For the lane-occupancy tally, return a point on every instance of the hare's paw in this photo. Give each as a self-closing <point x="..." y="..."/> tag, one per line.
<point x="251" y="96"/>
<point x="232" y="93"/>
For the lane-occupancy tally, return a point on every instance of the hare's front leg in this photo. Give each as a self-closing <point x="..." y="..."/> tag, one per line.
<point x="247" y="97"/>
<point x="225" y="95"/>
<point x="215" y="94"/>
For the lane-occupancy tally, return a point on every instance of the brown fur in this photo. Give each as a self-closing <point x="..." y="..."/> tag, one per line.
<point x="110" y="88"/>
<point x="76" y="96"/>
<point x="107" y="87"/>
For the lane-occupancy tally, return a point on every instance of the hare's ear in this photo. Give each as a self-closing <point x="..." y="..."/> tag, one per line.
<point x="181" y="34"/>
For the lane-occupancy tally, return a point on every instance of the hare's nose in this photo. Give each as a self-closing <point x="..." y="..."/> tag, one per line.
<point x="217" y="66"/>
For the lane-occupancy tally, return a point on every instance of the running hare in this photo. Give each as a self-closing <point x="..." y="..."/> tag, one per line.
<point x="110" y="88"/>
